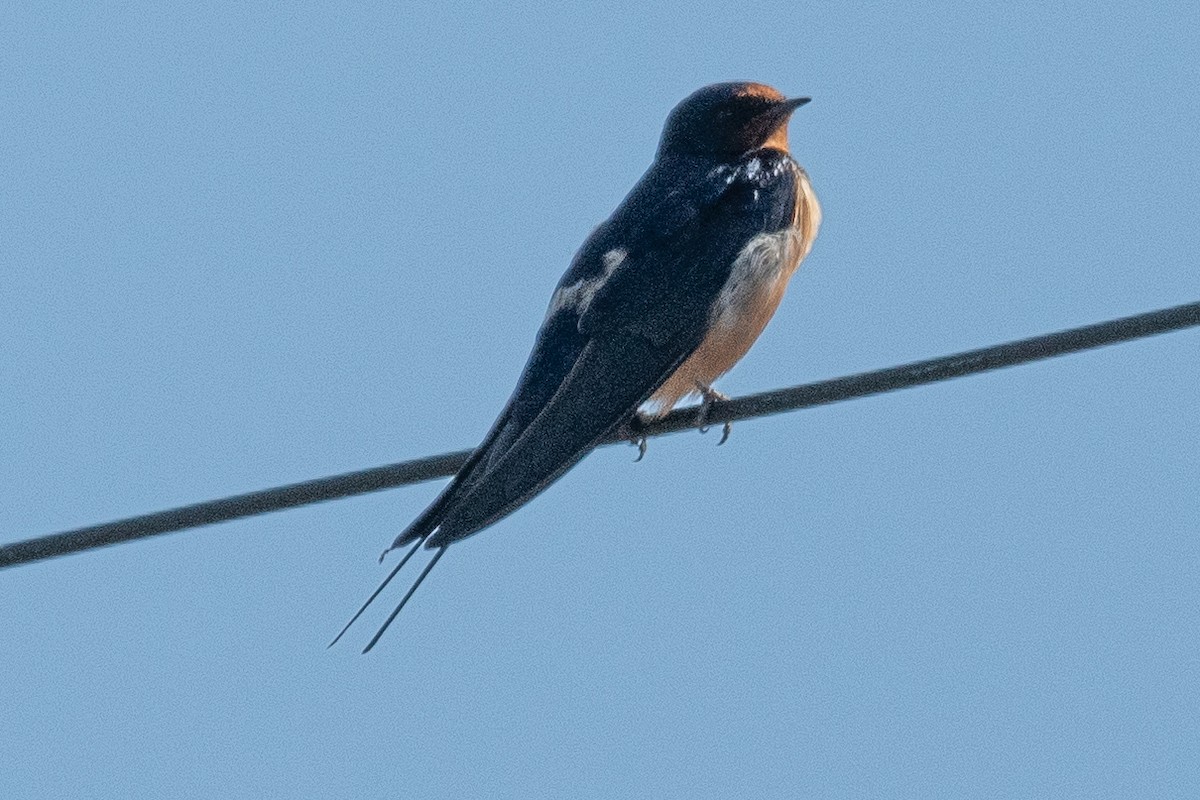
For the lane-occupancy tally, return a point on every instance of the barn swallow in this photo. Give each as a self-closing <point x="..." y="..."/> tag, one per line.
<point x="662" y="299"/>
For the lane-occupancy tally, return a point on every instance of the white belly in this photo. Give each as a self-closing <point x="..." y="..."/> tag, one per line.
<point x="747" y="301"/>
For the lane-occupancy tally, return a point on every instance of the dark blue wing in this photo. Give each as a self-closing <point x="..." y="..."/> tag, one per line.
<point x="594" y="363"/>
<point x="558" y="346"/>
<point x="664" y="293"/>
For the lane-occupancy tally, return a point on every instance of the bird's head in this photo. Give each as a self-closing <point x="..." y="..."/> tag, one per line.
<point x="728" y="119"/>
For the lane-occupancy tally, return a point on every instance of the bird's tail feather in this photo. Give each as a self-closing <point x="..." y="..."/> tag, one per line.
<point x="375" y="594"/>
<point x="408" y="595"/>
<point x="428" y="520"/>
<point x="586" y="407"/>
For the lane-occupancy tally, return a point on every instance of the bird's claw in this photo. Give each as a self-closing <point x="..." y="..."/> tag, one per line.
<point x="708" y="396"/>
<point x="726" y="429"/>
<point x="631" y="432"/>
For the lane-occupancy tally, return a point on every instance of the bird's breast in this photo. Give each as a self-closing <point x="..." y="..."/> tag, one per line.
<point x="748" y="300"/>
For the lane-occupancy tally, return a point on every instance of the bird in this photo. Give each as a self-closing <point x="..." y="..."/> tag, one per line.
<point x="662" y="298"/>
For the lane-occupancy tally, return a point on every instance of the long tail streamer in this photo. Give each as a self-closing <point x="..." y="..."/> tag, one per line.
<point x="441" y="551"/>
<point x="375" y="594"/>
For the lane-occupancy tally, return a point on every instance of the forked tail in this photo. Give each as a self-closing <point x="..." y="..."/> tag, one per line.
<point x="412" y="590"/>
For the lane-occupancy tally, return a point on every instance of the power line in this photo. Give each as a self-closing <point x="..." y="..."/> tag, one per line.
<point x="750" y="406"/>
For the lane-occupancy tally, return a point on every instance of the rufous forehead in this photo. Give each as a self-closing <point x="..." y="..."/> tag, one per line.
<point x="760" y="91"/>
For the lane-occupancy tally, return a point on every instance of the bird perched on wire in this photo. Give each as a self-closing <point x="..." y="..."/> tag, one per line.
<point x="662" y="299"/>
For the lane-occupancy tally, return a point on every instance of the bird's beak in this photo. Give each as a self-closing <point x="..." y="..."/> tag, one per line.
<point x="778" y="114"/>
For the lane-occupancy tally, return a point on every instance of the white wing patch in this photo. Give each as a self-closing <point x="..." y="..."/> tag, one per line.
<point x="724" y="173"/>
<point x="579" y="295"/>
<point x="613" y="259"/>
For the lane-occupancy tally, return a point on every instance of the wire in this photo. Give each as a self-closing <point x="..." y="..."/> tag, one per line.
<point x="750" y="406"/>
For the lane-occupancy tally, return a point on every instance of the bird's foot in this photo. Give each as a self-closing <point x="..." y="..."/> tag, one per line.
<point x="631" y="430"/>
<point x="709" y="395"/>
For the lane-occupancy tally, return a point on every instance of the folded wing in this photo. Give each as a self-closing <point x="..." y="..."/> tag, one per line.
<point x="634" y="305"/>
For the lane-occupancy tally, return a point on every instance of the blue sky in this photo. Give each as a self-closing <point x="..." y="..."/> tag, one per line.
<point x="245" y="244"/>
